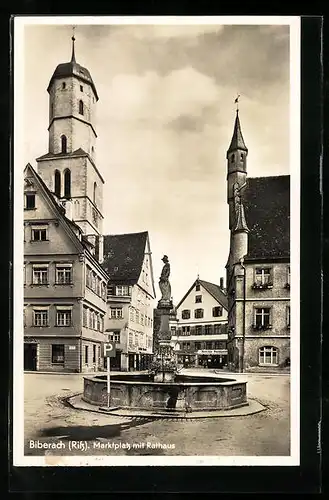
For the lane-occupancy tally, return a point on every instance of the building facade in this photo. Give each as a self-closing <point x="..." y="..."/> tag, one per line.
<point x="199" y="329"/>
<point x="130" y="299"/>
<point x="258" y="266"/>
<point x="64" y="283"/>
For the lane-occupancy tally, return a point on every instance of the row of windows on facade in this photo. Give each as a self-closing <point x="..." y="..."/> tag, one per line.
<point x="40" y="274"/>
<point x="199" y="313"/>
<point x="119" y="290"/>
<point x="40" y="316"/>
<point x="92" y="319"/>
<point x="94" y="282"/>
<point x="135" y="316"/>
<point x="198" y="330"/>
<point x="263" y="277"/>
<point x="64" y="87"/>
<point x="263" y="318"/>
<point x="198" y="346"/>
<point x="138" y="339"/>
<point x="58" y="354"/>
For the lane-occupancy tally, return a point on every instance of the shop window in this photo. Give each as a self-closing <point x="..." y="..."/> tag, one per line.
<point x="57" y="353"/>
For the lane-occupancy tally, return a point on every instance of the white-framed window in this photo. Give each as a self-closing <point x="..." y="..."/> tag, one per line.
<point x="268" y="355"/>
<point x="137" y="316"/>
<point x="198" y="299"/>
<point x="40" y="274"/>
<point x="40" y="316"/>
<point x="198" y="330"/>
<point x="142" y="319"/>
<point x="63" y="316"/>
<point x="208" y="329"/>
<point x="186" y="314"/>
<point x="263" y="276"/>
<point x="57" y="353"/>
<point x="85" y="316"/>
<point x="93" y="320"/>
<point x="217" y="329"/>
<point x="132" y="314"/>
<point x="288" y="316"/>
<point x="123" y="290"/>
<point x="116" y="313"/>
<point x="185" y="330"/>
<point x="130" y="339"/>
<point x="198" y="313"/>
<point x="262" y="317"/>
<point x="39" y="232"/>
<point x="114" y="337"/>
<point x="63" y="274"/>
<point x="173" y="330"/>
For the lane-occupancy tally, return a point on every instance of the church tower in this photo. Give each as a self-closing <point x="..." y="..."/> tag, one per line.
<point x="69" y="168"/>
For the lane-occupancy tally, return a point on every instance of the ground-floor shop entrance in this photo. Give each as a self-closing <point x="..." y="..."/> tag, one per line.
<point x="30" y="356"/>
<point x="212" y="361"/>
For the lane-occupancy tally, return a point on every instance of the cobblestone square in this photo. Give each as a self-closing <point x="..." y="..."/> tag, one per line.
<point x="50" y="421"/>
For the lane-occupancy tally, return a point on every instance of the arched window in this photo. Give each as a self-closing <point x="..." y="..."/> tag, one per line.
<point x="63" y="144"/>
<point x="63" y="85"/>
<point x="232" y="158"/>
<point x="94" y="193"/>
<point x="57" y="183"/>
<point x="241" y="157"/>
<point x="80" y="107"/>
<point x="268" y="355"/>
<point x="67" y="183"/>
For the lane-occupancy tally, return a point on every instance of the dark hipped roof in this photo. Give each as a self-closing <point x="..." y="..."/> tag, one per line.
<point x="267" y="209"/>
<point x="216" y="292"/>
<point x="72" y="68"/>
<point x="124" y="256"/>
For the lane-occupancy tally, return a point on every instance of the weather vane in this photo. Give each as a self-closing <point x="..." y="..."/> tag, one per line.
<point x="237" y="102"/>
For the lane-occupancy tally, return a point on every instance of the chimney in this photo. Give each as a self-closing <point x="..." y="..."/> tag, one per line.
<point x="221" y="284"/>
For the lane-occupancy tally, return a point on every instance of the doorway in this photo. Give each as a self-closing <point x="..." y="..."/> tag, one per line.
<point x="30" y="357"/>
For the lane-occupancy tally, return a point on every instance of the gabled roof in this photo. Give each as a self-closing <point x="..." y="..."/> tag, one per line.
<point x="237" y="141"/>
<point x="267" y="210"/>
<point x="211" y="288"/>
<point x="124" y="256"/>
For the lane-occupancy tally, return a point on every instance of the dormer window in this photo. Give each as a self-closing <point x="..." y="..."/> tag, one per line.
<point x="81" y="107"/>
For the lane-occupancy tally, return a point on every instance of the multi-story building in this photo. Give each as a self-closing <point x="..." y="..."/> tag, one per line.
<point x="130" y="299"/>
<point x="65" y="285"/>
<point x="199" y="330"/>
<point x="258" y="267"/>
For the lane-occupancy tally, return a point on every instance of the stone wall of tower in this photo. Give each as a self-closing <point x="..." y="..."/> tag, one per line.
<point x="236" y="173"/>
<point x="64" y="102"/>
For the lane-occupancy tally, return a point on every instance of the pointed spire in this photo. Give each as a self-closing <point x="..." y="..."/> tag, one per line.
<point x="237" y="141"/>
<point x="241" y="223"/>
<point x="73" y="52"/>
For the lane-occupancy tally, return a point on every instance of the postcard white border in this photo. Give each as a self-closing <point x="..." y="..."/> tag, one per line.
<point x="18" y="300"/>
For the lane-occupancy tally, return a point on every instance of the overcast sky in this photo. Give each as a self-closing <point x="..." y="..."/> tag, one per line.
<point x="165" y="119"/>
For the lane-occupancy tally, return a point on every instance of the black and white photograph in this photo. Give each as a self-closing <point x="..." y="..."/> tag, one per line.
<point x="156" y="240"/>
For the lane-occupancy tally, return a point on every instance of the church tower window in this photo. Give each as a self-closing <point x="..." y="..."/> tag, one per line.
<point x="80" y="107"/>
<point x="63" y="144"/>
<point x="63" y="85"/>
<point x="94" y="194"/>
<point x="57" y="183"/>
<point x="232" y="158"/>
<point x="67" y="183"/>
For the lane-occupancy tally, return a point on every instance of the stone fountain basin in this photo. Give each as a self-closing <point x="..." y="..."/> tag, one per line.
<point x="186" y="393"/>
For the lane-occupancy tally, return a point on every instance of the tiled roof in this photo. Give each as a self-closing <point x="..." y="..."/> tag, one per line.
<point x="267" y="210"/>
<point x="216" y="292"/>
<point x="77" y="152"/>
<point x="124" y="255"/>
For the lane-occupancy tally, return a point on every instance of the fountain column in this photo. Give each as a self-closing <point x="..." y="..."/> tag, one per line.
<point x="165" y="359"/>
